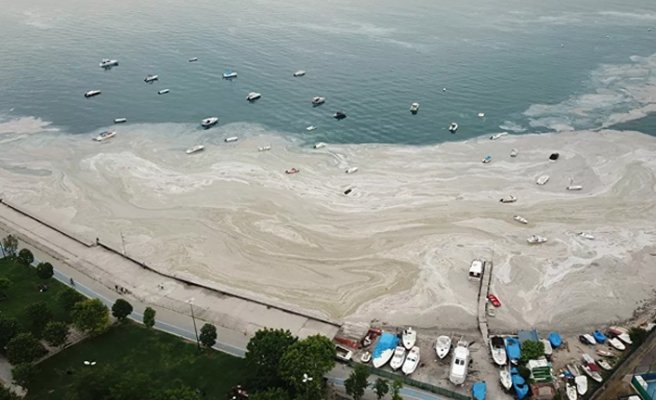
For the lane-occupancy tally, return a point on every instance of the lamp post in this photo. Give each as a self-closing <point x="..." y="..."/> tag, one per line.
<point x="191" y="306"/>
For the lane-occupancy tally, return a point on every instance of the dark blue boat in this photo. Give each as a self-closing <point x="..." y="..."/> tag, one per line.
<point x="519" y="384"/>
<point x="599" y="337"/>
<point x="479" y="390"/>
<point x="512" y="349"/>
<point x="555" y="339"/>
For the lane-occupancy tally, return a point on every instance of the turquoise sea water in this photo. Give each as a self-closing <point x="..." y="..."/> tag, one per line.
<point x="531" y="67"/>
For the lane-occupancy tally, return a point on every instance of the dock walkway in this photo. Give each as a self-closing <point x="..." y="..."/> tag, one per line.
<point x="483" y="291"/>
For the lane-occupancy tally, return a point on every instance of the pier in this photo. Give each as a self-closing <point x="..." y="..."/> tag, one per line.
<point x="483" y="291"/>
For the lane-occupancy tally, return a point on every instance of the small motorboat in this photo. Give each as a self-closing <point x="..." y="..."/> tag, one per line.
<point x="409" y="338"/>
<point x="195" y="149"/>
<point x="453" y="127"/>
<point x="366" y="357"/>
<point x="351" y="170"/>
<point x="339" y="115"/>
<point x="411" y="361"/>
<point x="570" y="390"/>
<point x="209" y="122"/>
<point x="574" y="187"/>
<point x="252" y="96"/>
<point x="604" y="364"/>
<point x="299" y="73"/>
<point x="605" y="353"/>
<point x="317" y="101"/>
<point x="555" y="340"/>
<point x="548" y="350"/>
<point x="536" y="239"/>
<point x="414" y="108"/>
<point x="519" y="384"/>
<point x="588" y="339"/>
<point x="487" y="159"/>
<point x="264" y="148"/>
<point x="554" y="156"/>
<point x="592" y="371"/>
<point x="120" y="120"/>
<point x="498" y="135"/>
<point x="620" y="333"/>
<point x="151" y="78"/>
<point x="105" y="135"/>
<point x="231" y="139"/>
<point x="512" y="349"/>
<point x="599" y="336"/>
<point x="581" y="384"/>
<point x="459" y="363"/>
<point x="310" y="128"/>
<point x="476" y="269"/>
<point x="319" y="145"/>
<point x="514" y="152"/>
<point x="543" y="179"/>
<point x="347" y="191"/>
<point x="617" y="344"/>
<point x="498" y="350"/>
<point x="385" y="348"/>
<point x="193" y="59"/>
<point x="163" y="91"/>
<point x="586" y="235"/>
<point x="479" y="390"/>
<point x="442" y="346"/>
<point x="92" y="93"/>
<point x="107" y="63"/>
<point x="494" y="300"/>
<point x="508" y="199"/>
<point x="505" y="379"/>
<point x="292" y="171"/>
<point x="229" y="74"/>
<point x="481" y="115"/>
<point x="398" y="358"/>
<point x="587" y="358"/>
<point x="343" y="353"/>
<point x="520" y="219"/>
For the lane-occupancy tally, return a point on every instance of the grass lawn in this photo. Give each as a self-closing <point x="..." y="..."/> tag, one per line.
<point x="24" y="291"/>
<point x="132" y="347"/>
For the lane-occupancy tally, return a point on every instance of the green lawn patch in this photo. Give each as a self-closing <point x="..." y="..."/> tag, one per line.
<point x="129" y="347"/>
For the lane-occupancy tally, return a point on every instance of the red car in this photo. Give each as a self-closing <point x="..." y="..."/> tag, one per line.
<point x="494" y="300"/>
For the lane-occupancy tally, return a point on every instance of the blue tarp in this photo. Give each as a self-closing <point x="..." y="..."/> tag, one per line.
<point x="519" y="384"/>
<point x="528" y="335"/>
<point x="479" y="390"/>
<point x="512" y="348"/>
<point x="599" y="337"/>
<point x="555" y="340"/>
<point x="387" y="341"/>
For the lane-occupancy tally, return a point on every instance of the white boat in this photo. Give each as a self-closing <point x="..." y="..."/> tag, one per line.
<point x="409" y="338"/>
<point x="605" y="353"/>
<point x="543" y="179"/>
<point x="343" y="353"/>
<point x="587" y="338"/>
<point x="398" y="358"/>
<point x="570" y="389"/>
<point x="252" y="96"/>
<point x="163" y="91"/>
<point x="231" y="139"/>
<point x="442" y="346"/>
<point x="351" y="170"/>
<point x="498" y="135"/>
<point x="193" y="59"/>
<point x="498" y="350"/>
<point x="514" y="152"/>
<point x="319" y="145"/>
<point x="574" y="187"/>
<point x="604" y="364"/>
<point x="586" y="235"/>
<point x="487" y="159"/>
<point x="617" y="344"/>
<point x="317" y="100"/>
<point x="209" y="122"/>
<point x="508" y="199"/>
<point x="581" y="384"/>
<point x="411" y="361"/>
<point x="120" y="120"/>
<point x="536" y="239"/>
<point x="264" y="148"/>
<point x="459" y="363"/>
<point x="104" y="136"/>
<point x="366" y="357"/>
<point x="92" y="93"/>
<point x="548" y="350"/>
<point x="453" y="127"/>
<point x="195" y="149"/>
<point x="107" y="63"/>
<point x="414" y="107"/>
<point x="310" y="128"/>
<point x="299" y="73"/>
<point x="151" y="78"/>
<point x="587" y="358"/>
<point x="589" y="371"/>
<point x="481" y="115"/>
<point x="476" y="269"/>
<point x="505" y="378"/>
<point x="229" y="74"/>
<point x="621" y="333"/>
<point x="520" y="219"/>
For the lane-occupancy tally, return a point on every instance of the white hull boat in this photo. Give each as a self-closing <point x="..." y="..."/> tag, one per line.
<point x="383" y="359"/>
<point x="317" y="101"/>
<point x="594" y="375"/>
<point x="163" y="91"/>
<point x="486" y="159"/>
<point x="231" y="139"/>
<point x="414" y="108"/>
<point x="343" y="353"/>
<point x="604" y="353"/>
<point x="105" y="136"/>
<point x="151" y="78"/>
<point x="617" y="344"/>
<point x="604" y="365"/>
<point x="520" y="219"/>
<point x="195" y="149"/>
<point x="120" y="120"/>
<point x="498" y="135"/>
<point x="481" y="115"/>
<point x="571" y="391"/>
<point x="107" y="63"/>
<point x="264" y="148"/>
<point x="536" y="239"/>
<point x="505" y="378"/>
<point x="319" y="145"/>
<point x="193" y="59"/>
<point x="621" y="333"/>
<point x="366" y="357"/>
<point x="574" y="187"/>
<point x="299" y="73"/>
<point x="586" y="235"/>
<point x="411" y="361"/>
<point x="498" y="349"/>
<point x="542" y="180"/>
<point x="92" y="93"/>
<point x="442" y="346"/>
<point x="459" y="363"/>
<point x="581" y="384"/>
<point x="310" y="128"/>
<point x="514" y="152"/>
<point x="252" y="96"/>
<point x="453" y="127"/>
<point x="351" y="170"/>
<point x="209" y="122"/>
<point x="508" y="199"/>
<point x="409" y="338"/>
<point x="548" y="350"/>
<point x="398" y="358"/>
<point x="229" y="74"/>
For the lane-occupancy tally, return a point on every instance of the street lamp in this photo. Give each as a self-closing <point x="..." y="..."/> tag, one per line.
<point x="191" y="306"/>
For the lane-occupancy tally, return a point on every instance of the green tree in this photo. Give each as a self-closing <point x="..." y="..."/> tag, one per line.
<point x="4" y="285"/>
<point x="532" y="350"/>
<point x="90" y="316"/>
<point x="22" y="374"/>
<point x="6" y="394"/>
<point x="92" y="383"/>
<point x="357" y="382"/>
<point x="638" y="335"/>
<point x="524" y="372"/>
<point x="24" y="348"/>
<point x="132" y="385"/>
<point x="121" y="309"/>
<point x="305" y="363"/>
<point x="180" y="392"/>
<point x="9" y="246"/>
<point x="149" y="317"/>
<point x="8" y="329"/>
<point x="68" y="298"/>
<point x="25" y="256"/>
<point x="381" y="388"/>
<point x="396" y="389"/>
<point x="44" y="270"/>
<point x="271" y="394"/>
<point x="263" y="354"/>
<point x="37" y="316"/>
<point x="55" y="333"/>
<point x="208" y="335"/>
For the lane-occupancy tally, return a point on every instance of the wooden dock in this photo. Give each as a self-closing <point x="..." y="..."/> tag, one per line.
<point x="482" y="300"/>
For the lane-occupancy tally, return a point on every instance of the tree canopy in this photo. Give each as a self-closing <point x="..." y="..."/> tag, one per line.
<point x="44" y="270"/>
<point x="381" y="388"/>
<point x="638" y="335"/>
<point x="357" y="382"/>
<point x="396" y="389"/>
<point x="37" y="316"/>
<point x="305" y="363"/>
<point x="4" y="285"/>
<point x="25" y="256"/>
<point x="271" y="394"/>
<point x="22" y="374"/>
<point x="9" y="245"/>
<point x="55" y="333"/>
<point x="121" y="309"/>
<point x="8" y="329"/>
<point x="24" y="348"/>
<point x="263" y="354"/>
<point x="208" y="335"/>
<point x="532" y="350"/>
<point x="149" y="317"/>
<point x="68" y="298"/>
<point x="90" y="316"/>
